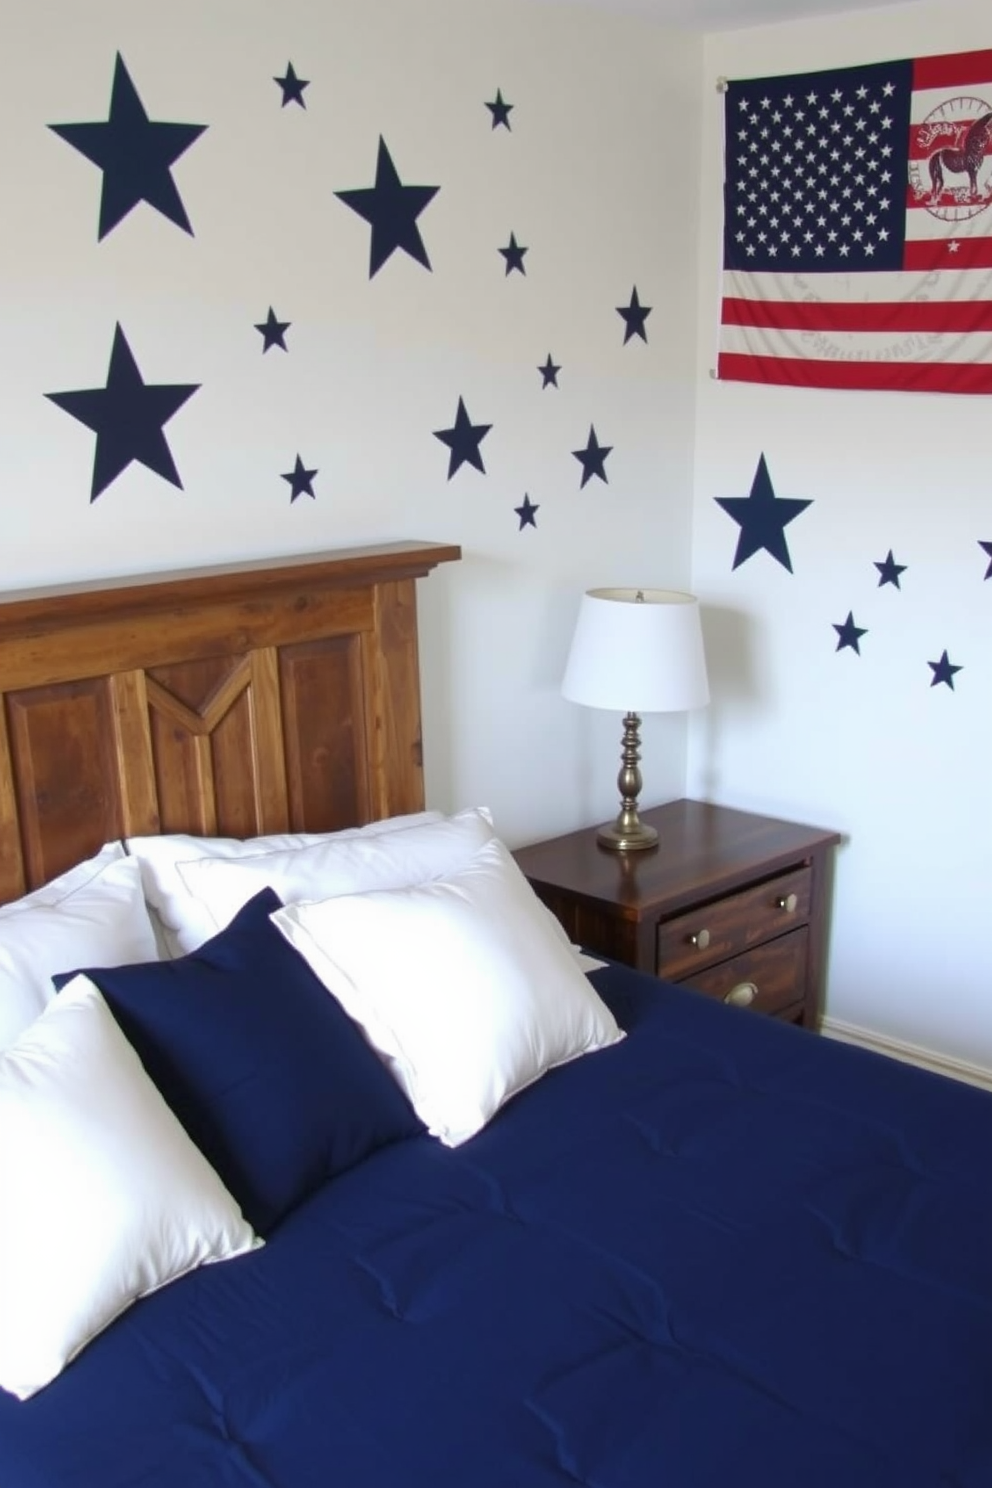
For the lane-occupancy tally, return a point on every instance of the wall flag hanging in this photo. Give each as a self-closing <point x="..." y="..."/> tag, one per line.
<point x="762" y="517"/>
<point x="463" y="440"/>
<point x="633" y="316"/>
<point x="593" y="458"/>
<point x="292" y="87"/>
<point x="857" y="233"/>
<point x="135" y="154"/>
<point x="391" y="209"/>
<point x="127" y="417"/>
<point x="273" y="331"/>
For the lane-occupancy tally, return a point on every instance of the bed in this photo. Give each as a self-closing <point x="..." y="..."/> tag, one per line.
<point x="486" y="1216"/>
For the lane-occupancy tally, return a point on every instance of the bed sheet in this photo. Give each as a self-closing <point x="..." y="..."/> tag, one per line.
<point x="724" y="1250"/>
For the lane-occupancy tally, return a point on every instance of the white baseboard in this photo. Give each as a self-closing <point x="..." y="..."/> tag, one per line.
<point x="958" y="1069"/>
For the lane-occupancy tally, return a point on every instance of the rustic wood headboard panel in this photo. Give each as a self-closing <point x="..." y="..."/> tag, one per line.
<point x="262" y="697"/>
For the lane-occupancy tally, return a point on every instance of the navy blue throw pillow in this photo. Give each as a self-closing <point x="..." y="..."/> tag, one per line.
<point x="271" y="1079"/>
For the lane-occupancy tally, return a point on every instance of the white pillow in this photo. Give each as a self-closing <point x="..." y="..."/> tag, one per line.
<point x="95" y="915"/>
<point x="390" y="860"/>
<point x="462" y="984"/>
<point x="105" y="1198"/>
<point x="186" y="924"/>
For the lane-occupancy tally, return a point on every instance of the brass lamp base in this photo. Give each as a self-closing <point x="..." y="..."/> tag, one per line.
<point x="628" y="833"/>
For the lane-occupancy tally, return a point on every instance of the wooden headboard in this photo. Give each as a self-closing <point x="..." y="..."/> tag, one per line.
<point x="261" y="697"/>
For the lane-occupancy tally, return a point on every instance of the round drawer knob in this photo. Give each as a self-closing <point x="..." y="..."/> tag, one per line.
<point x="788" y="902"/>
<point x="700" y="939"/>
<point x="742" y="995"/>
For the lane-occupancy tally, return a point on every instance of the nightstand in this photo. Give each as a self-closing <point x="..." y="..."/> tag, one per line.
<point x="730" y="903"/>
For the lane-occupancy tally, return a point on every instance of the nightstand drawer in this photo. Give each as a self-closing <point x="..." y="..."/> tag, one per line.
<point x="768" y="979"/>
<point x="714" y="932"/>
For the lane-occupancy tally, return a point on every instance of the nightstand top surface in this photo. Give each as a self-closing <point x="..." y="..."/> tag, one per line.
<point x="701" y="847"/>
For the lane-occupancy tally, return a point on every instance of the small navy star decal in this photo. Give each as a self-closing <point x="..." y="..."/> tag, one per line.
<point x="849" y="634"/>
<point x="463" y="440"/>
<point x="391" y="209"/>
<point x="762" y="517"/>
<point x="134" y="154"/>
<point x="500" y="111"/>
<point x="514" y="256"/>
<point x="889" y="571"/>
<point x="272" y="331"/>
<point x="943" y="671"/>
<point x="549" y="373"/>
<point x="593" y="458"/>
<point x="127" y="417"/>
<point x="527" y="513"/>
<point x="300" y="481"/>
<point x="292" y="87"/>
<point x="633" y="316"/>
<point x="986" y="548"/>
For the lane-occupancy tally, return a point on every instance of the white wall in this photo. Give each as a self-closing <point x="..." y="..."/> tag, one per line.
<point x="862" y="744"/>
<point x="374" y="366"/>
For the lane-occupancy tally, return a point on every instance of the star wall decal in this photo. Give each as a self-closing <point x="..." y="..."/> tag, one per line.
<point x="633" y="316"/>
<point x="889" y="571"/>
<point x="549" y="373"/>
<point x="135" y="155"/>
<point x="593" y="458"/>
<point x="762" y="517"/>
<point x="514" y="256"/>
<point x="943" y="671"/>
<point x="527" y="513"/>
<point x="986" y="548"/>
<point x="273" y="332"/>
<point x="300" y="481"/>
<point x="463" y="440"/>
<point x="292" y="87"/>
<point x="127" y="417"/>
<point x="500" y="111"/>
<point x="849" y="634"/>
<point x="391" y="209"/>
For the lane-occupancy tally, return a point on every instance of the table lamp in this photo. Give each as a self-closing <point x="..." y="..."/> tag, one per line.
<point x="636" y="651"/>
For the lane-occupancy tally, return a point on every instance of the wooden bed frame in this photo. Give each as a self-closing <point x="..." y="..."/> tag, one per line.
<point x="260" y="697"/>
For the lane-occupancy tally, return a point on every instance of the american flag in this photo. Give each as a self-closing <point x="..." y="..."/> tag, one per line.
<point x="858" y="227"/>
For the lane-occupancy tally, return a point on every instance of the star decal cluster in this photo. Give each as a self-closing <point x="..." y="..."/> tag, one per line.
<point x="136" y="156"/>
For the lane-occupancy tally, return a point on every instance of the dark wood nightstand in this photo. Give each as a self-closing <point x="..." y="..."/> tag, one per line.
<point x="730" y="903"/>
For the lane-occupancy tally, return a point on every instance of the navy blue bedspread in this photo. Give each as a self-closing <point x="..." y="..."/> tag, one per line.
<point x="723" y="1252"/>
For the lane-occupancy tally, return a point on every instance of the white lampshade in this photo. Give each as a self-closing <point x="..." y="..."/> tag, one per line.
<point x="637" y="651"/>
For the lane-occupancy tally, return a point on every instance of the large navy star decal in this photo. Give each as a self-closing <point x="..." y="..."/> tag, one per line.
<point x="391" y="209"/>
<point x="292" y="87"/>
<point x="500" y="110"/>
<point x="127" y="417"/>
<point x="135" y="155"/>
<point x="889" y="571"/>
<point x="463" y="440"/>
<point x="849" y="634"/>
<point x="943" y="671"/>
<point x="593" y="458"/>
<point x="633" y="316"/>
<point x="986" y="548"/>
<point x="300" y="481"/>
<point x="762" y="517"/>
